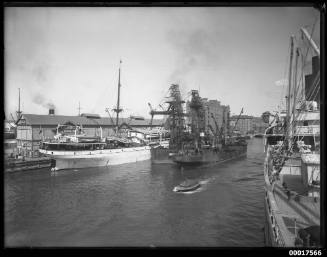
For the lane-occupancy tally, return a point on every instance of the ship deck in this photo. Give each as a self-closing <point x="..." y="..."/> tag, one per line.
<point x="295" y="184"/>
<point x="294" y="211"/>
<point x="291" y="205"/>
<point x="302" y="208"/>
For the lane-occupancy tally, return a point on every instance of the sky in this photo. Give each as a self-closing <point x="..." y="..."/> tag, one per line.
<point x="62" y="56"/>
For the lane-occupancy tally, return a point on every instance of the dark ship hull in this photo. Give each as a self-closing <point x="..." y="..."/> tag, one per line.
<point x="210" y="155"/>
<point x="161" y="155"/>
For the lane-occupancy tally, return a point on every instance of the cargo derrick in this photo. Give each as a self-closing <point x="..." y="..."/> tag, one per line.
<point x="220" y="133"/>
<point x="176" y="116"/>
<point x="215" y="133"/>
<point x="197" y="118"/>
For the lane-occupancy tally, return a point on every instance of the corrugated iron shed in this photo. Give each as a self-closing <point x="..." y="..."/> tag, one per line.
<point x="54" y="120"/>
<point x="91" y="115"/>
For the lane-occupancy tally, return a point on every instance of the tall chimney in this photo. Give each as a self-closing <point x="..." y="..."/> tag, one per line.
<point x="51" y="111"/>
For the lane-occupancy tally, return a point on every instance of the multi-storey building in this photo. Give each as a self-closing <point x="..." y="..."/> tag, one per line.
<point x="214" y="116"/>
<point x="259" y="126"/>
<point x="247" y="124"/>
<point x="242" y="124"/>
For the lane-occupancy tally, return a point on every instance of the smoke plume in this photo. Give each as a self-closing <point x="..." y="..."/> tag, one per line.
<point x="41" y="71"/>
<point x="194" y="49"/>
<point x="42" y="101"/>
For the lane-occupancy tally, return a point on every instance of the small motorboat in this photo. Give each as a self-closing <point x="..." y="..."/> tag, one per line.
<point x="186" y="186"/>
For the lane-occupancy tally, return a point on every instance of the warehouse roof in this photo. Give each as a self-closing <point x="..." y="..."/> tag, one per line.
<point x="234" y="117"/>
<point x="36" y="119"/>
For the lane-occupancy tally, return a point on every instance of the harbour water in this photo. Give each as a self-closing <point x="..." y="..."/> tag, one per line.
<point x="134" y="205"/>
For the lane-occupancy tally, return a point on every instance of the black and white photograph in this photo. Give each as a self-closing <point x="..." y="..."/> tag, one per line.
<point x="162" y="126"/>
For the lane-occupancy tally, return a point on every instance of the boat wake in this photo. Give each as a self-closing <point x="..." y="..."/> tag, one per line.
<point x="205" y="182"/>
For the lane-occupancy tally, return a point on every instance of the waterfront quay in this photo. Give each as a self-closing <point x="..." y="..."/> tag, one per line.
<point x="22" y="149"/>
<point x="26" y="163"/>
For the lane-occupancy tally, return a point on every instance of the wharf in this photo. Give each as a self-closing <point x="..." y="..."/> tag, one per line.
<point x="13" y="165"/>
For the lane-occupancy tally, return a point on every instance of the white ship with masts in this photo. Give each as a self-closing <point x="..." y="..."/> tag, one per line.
<point x="71" y="148"/>
<point x="292" y="163"/>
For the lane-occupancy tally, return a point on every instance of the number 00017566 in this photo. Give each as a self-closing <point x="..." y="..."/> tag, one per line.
<point x="305" y="252"/>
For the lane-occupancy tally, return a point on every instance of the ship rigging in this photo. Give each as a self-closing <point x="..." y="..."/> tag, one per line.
<point x="292" y="164"/>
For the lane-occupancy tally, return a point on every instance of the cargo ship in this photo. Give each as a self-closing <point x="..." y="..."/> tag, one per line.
<point x="210" y="155"/>
<point x="192" y="145"/>
<point x="202" y="149"/>
<point x="292" y="162"/>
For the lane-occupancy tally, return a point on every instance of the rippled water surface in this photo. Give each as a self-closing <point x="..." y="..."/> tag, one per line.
<point x="134" y="205"/>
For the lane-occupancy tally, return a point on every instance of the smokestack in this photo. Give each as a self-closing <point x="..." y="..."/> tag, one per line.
<point x="51" y="111"/>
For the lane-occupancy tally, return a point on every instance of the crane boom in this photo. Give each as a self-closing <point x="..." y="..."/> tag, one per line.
<point x="216" y="124"/>
<point x="312" y="43"/>
<point x="239" y="116"/>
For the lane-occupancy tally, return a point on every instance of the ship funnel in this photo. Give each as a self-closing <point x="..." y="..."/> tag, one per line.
<point x="51" y="111"/>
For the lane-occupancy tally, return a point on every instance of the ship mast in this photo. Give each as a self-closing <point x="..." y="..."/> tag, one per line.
<point x="19" y="111"/>
<point x="288" y="97"/>
<point x="79" y="108"/>
<point x="18" y="100"/>
<point x="118" y="110"/>
<point x="295" y="89"/>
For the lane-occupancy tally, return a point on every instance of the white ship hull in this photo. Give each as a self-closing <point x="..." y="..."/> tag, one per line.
<point x="97" y="158"/>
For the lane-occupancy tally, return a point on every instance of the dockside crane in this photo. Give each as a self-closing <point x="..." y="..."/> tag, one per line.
<point x="175" y="116"/>
<point x="217" y="128"/>
<point x="216" y="124"/>
<point x="239" y="116"/>
<point x="212" y="130"/>
<point x="222" y="129"/>
<point x="155" y="112"/>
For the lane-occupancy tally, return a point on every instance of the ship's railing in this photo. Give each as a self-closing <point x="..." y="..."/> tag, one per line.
<point x="277" y="235"/>
<point x="267" y="173"/>
<point x="92" y="152"/>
